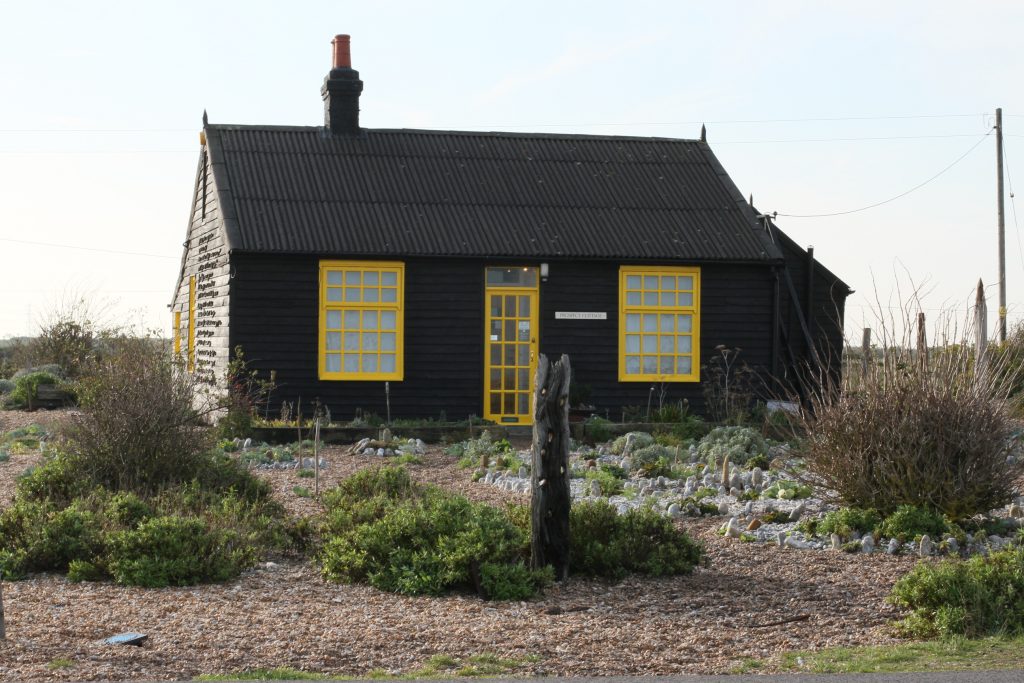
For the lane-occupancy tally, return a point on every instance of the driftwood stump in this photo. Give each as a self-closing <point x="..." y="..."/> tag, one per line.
<point x="549" y="504"/>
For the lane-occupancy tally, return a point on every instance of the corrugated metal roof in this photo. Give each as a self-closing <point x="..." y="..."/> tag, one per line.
<point x="434" y="193"/>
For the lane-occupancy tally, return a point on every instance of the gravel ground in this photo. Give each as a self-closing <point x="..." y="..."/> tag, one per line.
<point x="286" y="615"/>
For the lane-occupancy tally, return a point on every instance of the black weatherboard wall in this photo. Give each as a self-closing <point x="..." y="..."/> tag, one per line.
<point x="275" y="313"/>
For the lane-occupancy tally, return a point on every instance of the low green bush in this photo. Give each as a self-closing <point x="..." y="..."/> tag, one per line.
<point x="784" y="489"/>
<point x="609" y="483"/>
<point x="909" y="522"/>
<point x="26" y="387"/>
<point x="480" y="451"/>
<point x="976" y="597"/>
<point x="739" y="444"/>
<point x="844" y="521"/>
<point x="653" y="460"/>
<point x="384" y="530"/>
<point x="640" y="440"/>
<point x="597" y="429"/>
<point x="640" y="541"/>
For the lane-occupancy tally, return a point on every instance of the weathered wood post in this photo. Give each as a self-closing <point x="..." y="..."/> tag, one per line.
<point x="922" y="342"/>
<point x="549" y="503"/>
<point x="865" y="359"/>
<point x="980" y="330"/>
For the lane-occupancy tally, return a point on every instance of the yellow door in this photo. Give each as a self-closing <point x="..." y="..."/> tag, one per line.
<point x="511" y="344"/>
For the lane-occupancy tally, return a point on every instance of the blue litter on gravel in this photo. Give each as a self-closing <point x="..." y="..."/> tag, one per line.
<point x="127" y="639"/>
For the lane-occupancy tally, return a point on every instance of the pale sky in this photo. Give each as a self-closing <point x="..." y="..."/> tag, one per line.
<point x="813" y="108"/>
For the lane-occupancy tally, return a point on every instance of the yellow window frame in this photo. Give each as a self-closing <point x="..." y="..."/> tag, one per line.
<point x="397" y="306"/>
<point x="692" y="310"/>
<point x="177" y="333"/>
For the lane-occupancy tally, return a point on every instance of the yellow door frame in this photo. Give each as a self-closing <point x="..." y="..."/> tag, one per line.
<point x="534" y="294"/>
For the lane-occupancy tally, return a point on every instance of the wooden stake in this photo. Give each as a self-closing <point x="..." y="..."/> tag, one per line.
<point x="922" y="342"/>
<point x="865" y="346"/>
<point x="1002" y="225"/>
<point x="980" y="330"/>
<point x="550" y="501"/>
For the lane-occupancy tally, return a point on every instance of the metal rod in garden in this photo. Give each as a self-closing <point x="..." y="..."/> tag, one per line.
<point x="550" y="500"/>
<point x="316" y="457"/>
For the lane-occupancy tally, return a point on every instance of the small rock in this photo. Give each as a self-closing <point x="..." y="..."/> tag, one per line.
<point x="380" y="452"/>
<point x="781" y="538"/>
<point x="673" y="510"/>
<point x="952" y="546"/>
<point x="756" y="477"/>
<point x="247" y="444"/>
<point x="626" y="464"/>
<point x="385" y="435"/>
<point x="748" y="509"/>
<point x="1011" y="460"/>
<point x="794" y="542"/>
<point x="754" y="524"/>
<point x="732" y="529"/>
<point x="688" y="491"/>
<point x="723" y="508"/>
<point x="525" y="473"/>
<point x="893" y="547"/>
<point x="837" y="542"/>
<point x="361" y="446"/>
<point x="595" y="488"/>
<point x="927" y="547"/>
<point x="735" y="492"/>
<point x="867" y="544"/>
<point x="794" y="516"/>
<point x="129" y="638"/>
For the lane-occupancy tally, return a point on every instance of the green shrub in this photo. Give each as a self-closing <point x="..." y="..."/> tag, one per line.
<point x="512" y="581"/>
<point x="597" y="429"/>
<point x="784" y="489"/>
<point x="127" y="509"/>
<point x="760" y="461"/>
<point x="653" y="460"/>
<point x="739" y="444"/>
<point x="977" y="597"/>
<point x="845" y="521"/>
<point x="909" y="522"/>
<point x="478" y="452"/>
<point x="26" y="387"/>
<point x="609" y="483"/>
<point x="177" y="551"/>
<point x="640" y="440"/>
<point x="83" y="570"/>
<point x="643" y="541"/>
<point x="6" y="386"/>
<point x="613" y="470"/>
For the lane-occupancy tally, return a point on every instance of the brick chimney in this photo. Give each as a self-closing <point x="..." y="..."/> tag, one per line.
<point x="341" y="91"/>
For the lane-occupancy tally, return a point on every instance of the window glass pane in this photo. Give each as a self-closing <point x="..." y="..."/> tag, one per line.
<point x="495" y="378"/>
<point x="370" y="278"/>
<point x="650" y="365"/>
<point x="632" y="298"/>
<point x="495" y="354"/>
<point x="333" y="320"/>
<point x="632" y="365"/>
<point x="389" y="279"/>
<point x="512" y="277"/>
<point x="389" y="295"/>
<point x="684" y="323"/>
<point x="510" y="404"/>
<point x="510" y="330"/>
<point x="369" y="320"/>
<point x="668" y="323"/>
<point x="371" y="295"/>
<point x="495" y="306"/>
<point x="351" y="341"/>
<point x="686" y="299"/>
<point x="524" y="354"/>
<point x="650" y="281"/>
<point x="685" y="365"/>
<point x="510" y="306"/>
<point x="668" y="298"/>
<point x="387" y="320"/>
<point x="632" y="282"/>
<point x="524" y="403"/>
<point x="333" y="363"/>
<point x="495" y="330"/>
<point x="667" y="344"/>
<point x="685" y="344"/>
<point x="524" y="306"/>
<point x="686" y="282"/>
<point x="495" y="403"/>
<point x="352" y="294"/>
<point x="387" y="362"/>
<point x="668" y="282"/>
<point x="369" y="341"/>
<point x="650" y="322"/>
<point x="352" y="319"/>
<point x="510" y="354"/>
<point x="633" y="322"/>
<point x="334" y="341"/>
<point x="334" y="277"/>
<point x="524" y="378"/>
<point x="510" y="378"/>
<point x="650" y="343"/>
<point x="387" y="341"/>
<point x="352" y="277"/>
<point x="632" y="343"/>
<point x="370" y="362"/>
<point x="351" y="362"/>
<point x="333" y="294"/>
<point x="650" y="298"/>
<point x="524" y="330"/>
<point x="667" y="364"/>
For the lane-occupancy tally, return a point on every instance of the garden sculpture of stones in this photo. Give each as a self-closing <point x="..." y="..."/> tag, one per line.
<point x="867" y="544"/>
<point x="926" y="547"/>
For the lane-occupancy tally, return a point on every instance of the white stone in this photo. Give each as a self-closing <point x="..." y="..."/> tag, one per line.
<point x="952" y="546"/>
<point x="894" y="546"/>
<point x="867" y="544"/>
<point x="926" y="547"/>
<point x="794" y="516"/>
<point x="595" y="488"/>
<point x="733" y="529"/>
<point x="523" y="472"/>
<point x="247" y="444"/>
<point x="837" y="542"/>
<point x="723" y="508"/>
<point x="756" y="477"/>
<point x="673" y="510"/>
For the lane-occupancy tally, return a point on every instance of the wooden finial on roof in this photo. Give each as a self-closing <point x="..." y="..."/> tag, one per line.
<point x="703" y="133"/>
<point x="751" y="198"/>
<point x="206" y="119"/>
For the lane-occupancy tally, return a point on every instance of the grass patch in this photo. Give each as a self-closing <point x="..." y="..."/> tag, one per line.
<point x="407" y="459"/>
<point x="954" y="654"/>
<point x="60" y="663"/>
<point x="278" y="674"/>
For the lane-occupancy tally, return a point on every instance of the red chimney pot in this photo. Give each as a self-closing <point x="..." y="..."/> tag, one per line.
<point x="342" y="53"/>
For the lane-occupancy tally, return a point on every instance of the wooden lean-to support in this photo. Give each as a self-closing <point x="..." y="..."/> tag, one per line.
<point x="549" y="504"/>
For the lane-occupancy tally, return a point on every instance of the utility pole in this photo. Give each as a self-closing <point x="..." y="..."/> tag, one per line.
<point x="1002" y="225"/>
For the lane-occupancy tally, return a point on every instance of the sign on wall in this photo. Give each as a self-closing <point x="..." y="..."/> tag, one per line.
<point x="581" y="315"/>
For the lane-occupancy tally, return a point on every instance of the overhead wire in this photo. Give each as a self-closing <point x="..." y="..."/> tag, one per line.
<point x="890" y="199"/>
<point x="83" y="248"/>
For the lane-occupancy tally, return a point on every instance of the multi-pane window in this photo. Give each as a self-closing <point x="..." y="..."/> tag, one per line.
<point x="361" y="320"/>
<point x="659" y="324"/>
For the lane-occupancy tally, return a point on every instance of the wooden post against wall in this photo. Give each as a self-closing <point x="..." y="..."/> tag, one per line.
<point x="865" y="349"/>
<point x="550" y="501"/>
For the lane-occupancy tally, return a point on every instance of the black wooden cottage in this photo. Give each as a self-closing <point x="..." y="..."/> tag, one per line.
<point x="439" y="264"/>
